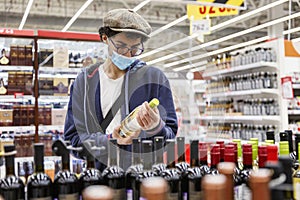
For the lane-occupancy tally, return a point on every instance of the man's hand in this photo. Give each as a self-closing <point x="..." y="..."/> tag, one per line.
<point x="147" y="117"/>
<point x="121" y="140"/>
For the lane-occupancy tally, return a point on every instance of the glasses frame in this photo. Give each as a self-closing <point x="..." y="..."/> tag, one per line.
<point x="128" y="49"/>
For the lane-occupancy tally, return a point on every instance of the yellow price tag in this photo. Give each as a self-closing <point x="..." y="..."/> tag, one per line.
<point x="198" y="12"/>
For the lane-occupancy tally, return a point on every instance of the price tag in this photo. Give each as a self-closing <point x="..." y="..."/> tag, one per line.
<point x="199" y="12"/>
<point x="200" y="26"/>
<point x="287" y="87"/>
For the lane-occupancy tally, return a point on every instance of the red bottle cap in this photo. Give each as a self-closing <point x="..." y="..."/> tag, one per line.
<point x="222" y="146"/>
<point x="272" y="150"/>
<point x="229" y="155"/>
<point x="235" y="150"/>
<point x="247" y="147"/>
<point x="203" y="151"/>
<point x="214" y="154"/>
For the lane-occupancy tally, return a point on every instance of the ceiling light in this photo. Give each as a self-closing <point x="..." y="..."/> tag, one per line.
<point x="140" y="5"/>
<point x="30" y="2"/>
<point x="77" y="14"/>
<point x="217" y="41"/>
<point x="216" y="27"/>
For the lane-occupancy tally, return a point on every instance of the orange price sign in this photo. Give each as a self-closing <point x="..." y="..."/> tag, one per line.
<point x="198" y="12"/>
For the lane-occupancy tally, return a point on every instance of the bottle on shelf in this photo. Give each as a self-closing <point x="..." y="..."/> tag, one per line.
<point x="204" y="168"/>
<point x="214" y="158"/>
<point x="39" y="184"/>
<point x="11" y="187"/>
<point x="91" y="176"/>
<point x="136" y="167"/>
<point x="171" y="174"/>
<point x="296" y="182"/>
<point x="262" y="156"/>
<point x="66" y="183"/>
<point x="113" y="175"/>
<point x="259" y="184"/>
<point x="194" y="172"/>
<point x="130" y="124"/>
<point x="3" y="90"/>
<point x="154" y="188"/>
<point x="182" y="166"/>
<point x="4" y="60"/>
<point x="97" y="192"/>
<point x="214" y="187"/>
<point x="159" y="165"/>
<point x="147" y="157"/>
<point x="227" y="169"/>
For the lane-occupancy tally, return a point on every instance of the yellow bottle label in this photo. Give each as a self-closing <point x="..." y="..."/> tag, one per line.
<point x="296" y="185"/>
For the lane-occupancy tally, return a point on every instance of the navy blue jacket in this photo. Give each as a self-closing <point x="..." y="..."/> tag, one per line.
<point x="141" y="83"/>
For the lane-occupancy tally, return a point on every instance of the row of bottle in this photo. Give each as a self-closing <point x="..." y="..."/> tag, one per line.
<point x="250" y="81"/>
<point x="259" y="106"/>
<point x="239" y="130"/>
<point x="234" y="59"/>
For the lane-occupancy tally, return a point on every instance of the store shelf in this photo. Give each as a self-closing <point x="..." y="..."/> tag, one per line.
<point x="243" y="93"/>
<point x="241" y="118"/>
<point x="16" y="68"/>
<point x="42" y="98"/>
<point x="294" y="112"/>
<point x="31" y="128"/>
<point x="240" y="68"/>
<point x="199" y="90"/>
<point x="296" y="85"/>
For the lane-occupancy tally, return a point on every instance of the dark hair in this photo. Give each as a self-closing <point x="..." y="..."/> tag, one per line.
<point x="110" y="33"/>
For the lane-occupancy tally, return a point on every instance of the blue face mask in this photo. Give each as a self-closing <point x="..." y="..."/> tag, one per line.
<point x="122" y="62"/>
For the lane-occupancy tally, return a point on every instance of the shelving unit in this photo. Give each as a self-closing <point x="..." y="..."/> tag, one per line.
<point x="243" y="93"/>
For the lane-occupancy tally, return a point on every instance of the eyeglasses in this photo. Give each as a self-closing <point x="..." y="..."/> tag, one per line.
<point x="134" y="51"/>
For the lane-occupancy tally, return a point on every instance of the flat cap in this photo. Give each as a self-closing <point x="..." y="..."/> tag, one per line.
<point x="128" y="21"/>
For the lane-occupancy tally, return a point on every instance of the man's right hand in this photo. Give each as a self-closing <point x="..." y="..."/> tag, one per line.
<point x="121" y="140"/>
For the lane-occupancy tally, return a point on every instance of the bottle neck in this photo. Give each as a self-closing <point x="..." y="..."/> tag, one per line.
<point x="90" y="163"/>
<point x="10" y="165"/>
<point x="65" y="161"/>
<point x="181" y="149"/>
<point x="215" y="159"/>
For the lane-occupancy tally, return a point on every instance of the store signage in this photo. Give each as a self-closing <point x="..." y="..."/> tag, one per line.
<point x="287" y="87"/>
<point x="200" y="26"/>
<point x="199" y="12"/>
<point x="236" y="3"/>
<point x="16" y="32"/>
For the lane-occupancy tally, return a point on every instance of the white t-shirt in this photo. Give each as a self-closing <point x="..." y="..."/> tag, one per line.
<point x="110" y="89"/>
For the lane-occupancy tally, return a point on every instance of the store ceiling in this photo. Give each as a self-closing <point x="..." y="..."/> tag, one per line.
<point x="55" y="14"/>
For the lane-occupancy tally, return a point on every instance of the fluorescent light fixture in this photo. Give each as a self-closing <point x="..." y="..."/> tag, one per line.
<point x="293" y="30"/>
<point x="296" y="39"/>
<point x="217" y="41"/>
<point x="77" y="14"/>
<point x="140" y="5"/>
<point x="169" y="25"/>
<point x="192" y="65"/>
<point x="30" y="2"/>
<point x="230" y="48"/>
<point x="216" y="27"/>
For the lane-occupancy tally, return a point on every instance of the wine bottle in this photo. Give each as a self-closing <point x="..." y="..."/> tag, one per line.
<point x="66" y="183"/>
<point x="136" y="167"/>
<point x="11" y="187"/>
<point x="91" y="176"/>
<point x="262" y="156"/>
<point x="287" y="186"/>
<point x="272" y="155"/>
<point x="194" y="173"/>
<point x="159" y="165"/>
<point x="214" y="158"/>
<point x="130" y="124"/>
<point x="214" y="187"/>
<point x="296" y="182"/>
<point x="270" y="135"/>
<point x="39" y="184"/>
<point x="147" y="157"/>
<point x="221" y="143"/>
<point x="227" y="169"/>
<point x="154" y="188"/>
<point x="203" y="147"/>
<point x="290" y="140"/>
<point x="182" y="166"/>
<point x="296" y="159"/>
<point x="114" y="176"/>
<point x="171" y="174"/>
<point x="259" y="184"/>
<point x="97" y="192"/>
<point x="4" y="60"/>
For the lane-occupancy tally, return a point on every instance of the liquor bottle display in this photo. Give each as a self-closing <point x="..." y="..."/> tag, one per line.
<point x="194" y="173"/>
<point x="147" y="157"/>
<point x="113" y="175"/>
<point x="66" y="183"/>
<point x="91" y="176"/>
<point x="39" y="185"/>
<point x="136" y="167"/>
<point x="130" y="125"/>
<point x="11" y="187"/>
<point x="171" y="174"/>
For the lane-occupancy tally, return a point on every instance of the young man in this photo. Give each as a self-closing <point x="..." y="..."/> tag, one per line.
<point x="105" y="93"/>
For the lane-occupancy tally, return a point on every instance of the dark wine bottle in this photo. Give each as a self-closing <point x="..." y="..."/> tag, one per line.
<point x="11" y="187"/>
<point x="66" y="183"/>
<point x="114" y="176"/>
<point x="159" y="165"/>
<point x="147" y="157"/>
<point x="136" y="167"/>
<point x="182" y="166"/>
<point x="91" y="176"/>
<point x="39" y="184"/>
<point x="171" y="174"/>
<point x="194" y="172"/>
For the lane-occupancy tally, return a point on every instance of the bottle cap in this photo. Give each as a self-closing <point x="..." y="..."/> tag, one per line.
<point x="154" y="102"/>
<point x="272" y="150"/>
<point x="284" y="148"/>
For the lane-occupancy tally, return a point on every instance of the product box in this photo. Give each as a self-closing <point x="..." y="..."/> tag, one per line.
<point x="14" y="55"/>
<point x="45" y="86"/>
<point x="21" y="55"/>
<point x="46" y="57"/>
<point x="58" y="116"/>
<point x="28" y="55"/>
<point x="60" y="86"/>
<point x="60" y="57"/>
<point x="6" y="117"/>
